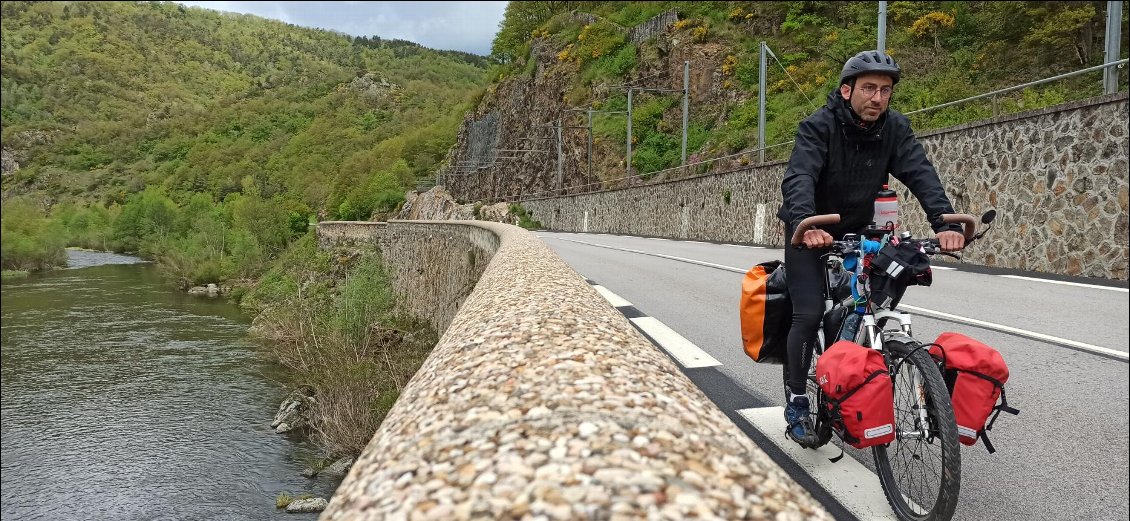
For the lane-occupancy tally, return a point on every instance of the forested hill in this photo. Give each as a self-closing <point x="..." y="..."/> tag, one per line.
<point x="103" y="99"/>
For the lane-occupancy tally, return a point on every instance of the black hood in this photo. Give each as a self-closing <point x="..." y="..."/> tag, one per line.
<point x="849" y="121"/>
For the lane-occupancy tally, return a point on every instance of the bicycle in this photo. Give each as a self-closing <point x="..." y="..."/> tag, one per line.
<point x="926" y="443"/>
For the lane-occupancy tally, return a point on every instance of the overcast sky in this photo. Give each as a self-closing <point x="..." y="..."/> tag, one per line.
<point x="461" y="26"/>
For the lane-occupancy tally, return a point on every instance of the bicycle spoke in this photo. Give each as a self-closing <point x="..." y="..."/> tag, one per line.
<point x="915" y="462"/>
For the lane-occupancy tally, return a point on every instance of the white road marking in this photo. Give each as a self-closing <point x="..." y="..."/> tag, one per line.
<point x="1021" y="332"/>
<point x="671" y="257"/>
<point x="1120" y="355"/>
<point x="685" y="352"/>
<point x="616" y="300"/>
<point x="942" y="268"/>
<point x="852" y="484"/>
<point x="1079" y="284"/>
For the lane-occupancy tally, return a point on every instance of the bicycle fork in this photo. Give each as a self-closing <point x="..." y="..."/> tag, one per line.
<point x="874" y="334"/>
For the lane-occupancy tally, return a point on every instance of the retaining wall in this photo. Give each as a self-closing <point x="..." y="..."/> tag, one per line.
<point x="1057" y="176"/>
<point x="541" y="400"/>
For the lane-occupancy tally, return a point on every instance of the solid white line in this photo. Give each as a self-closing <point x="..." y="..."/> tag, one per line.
<point x="616" y="300"/>
<point x="942" y="268"/>
<point x="671" y="257"/>
<point x="685" y="352"/>
<point x="921" y="311"/>
<point x="1021" y="332"/>
<point x="852" y="484"/>
<point x="1079" y="284"/>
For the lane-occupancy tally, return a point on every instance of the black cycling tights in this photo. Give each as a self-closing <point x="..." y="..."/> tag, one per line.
<point x="804" y="272"/>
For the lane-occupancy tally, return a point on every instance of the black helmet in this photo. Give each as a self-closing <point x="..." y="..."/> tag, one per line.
<point x="870" y="61"/>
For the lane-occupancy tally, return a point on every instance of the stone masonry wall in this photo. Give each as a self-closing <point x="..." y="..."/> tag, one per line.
<point x="1057" y="177"/>
<point x="540" y="400"/>
<point x="433" y="268"/>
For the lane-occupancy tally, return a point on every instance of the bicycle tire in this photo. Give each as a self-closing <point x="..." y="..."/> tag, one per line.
<point x="939" y="455"/>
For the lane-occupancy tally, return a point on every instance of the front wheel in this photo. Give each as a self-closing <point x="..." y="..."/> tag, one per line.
<point x="921" y="470"/>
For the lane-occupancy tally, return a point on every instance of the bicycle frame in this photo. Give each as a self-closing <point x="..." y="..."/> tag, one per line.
<point x="872" y="334"/>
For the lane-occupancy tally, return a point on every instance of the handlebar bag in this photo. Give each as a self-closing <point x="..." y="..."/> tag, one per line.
<point x="893" y="269"/>
<point x="860" y="394"/>
<point x="975" y="374"/>
<point x="766" y="312"/>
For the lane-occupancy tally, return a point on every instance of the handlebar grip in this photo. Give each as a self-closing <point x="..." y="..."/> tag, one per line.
<point x="969" y="228"/>
<point x="811" y="222"/>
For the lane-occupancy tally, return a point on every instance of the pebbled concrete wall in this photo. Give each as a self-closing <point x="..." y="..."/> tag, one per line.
<point x="1057" y="176"/>
<point x="541" y="401"/>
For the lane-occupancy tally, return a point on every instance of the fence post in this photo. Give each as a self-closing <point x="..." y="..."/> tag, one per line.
<point x="1113" y="41"/>
<point x="761" y="107"/>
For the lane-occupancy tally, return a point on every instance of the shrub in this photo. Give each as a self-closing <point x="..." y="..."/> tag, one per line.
<point x="30" y="240"/>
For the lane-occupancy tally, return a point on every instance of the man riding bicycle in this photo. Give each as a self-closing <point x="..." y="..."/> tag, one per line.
<point x="841" y="158"/>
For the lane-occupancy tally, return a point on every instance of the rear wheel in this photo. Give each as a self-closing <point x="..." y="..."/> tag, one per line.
<point x="921" y="470"/>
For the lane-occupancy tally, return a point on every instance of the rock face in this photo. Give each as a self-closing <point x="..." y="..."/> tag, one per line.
<point x="306" y="506"/>
<point x="438" y="205"/>
<point x="514" y="115"/>
<point x="294" y="412"/>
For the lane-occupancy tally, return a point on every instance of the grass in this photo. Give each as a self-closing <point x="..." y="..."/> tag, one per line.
<point x="335" y="327"/>
<point x="13" y="275"/>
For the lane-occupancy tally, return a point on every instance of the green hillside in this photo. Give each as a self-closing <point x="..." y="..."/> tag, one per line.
<point x="166" y="115"/>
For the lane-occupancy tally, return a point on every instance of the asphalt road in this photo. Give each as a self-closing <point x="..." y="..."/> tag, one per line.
<point x="1066" y="456"/>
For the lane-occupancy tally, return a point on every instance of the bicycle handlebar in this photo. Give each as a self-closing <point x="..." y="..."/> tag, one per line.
<point x="968" y="222"/>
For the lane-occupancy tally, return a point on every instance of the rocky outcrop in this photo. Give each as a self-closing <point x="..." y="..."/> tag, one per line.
<point x="516" y="156"/>
<point x="294" y="412"/>
<point x="438" y="205"/>
<point x="8" y="163"/>
<point x="374" y="87"/>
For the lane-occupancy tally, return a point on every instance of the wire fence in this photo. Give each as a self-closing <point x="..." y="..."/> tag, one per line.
<point x="749" y="158"/>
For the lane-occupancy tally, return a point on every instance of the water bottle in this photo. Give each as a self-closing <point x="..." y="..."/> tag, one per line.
<point x="850" y="327"/>
<point x="886" y="209"/>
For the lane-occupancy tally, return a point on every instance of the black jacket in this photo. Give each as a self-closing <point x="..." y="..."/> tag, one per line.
<point x="838" y="167"/>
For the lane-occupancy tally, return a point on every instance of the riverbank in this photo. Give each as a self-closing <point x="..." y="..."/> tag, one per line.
<point x="330" y="319"/>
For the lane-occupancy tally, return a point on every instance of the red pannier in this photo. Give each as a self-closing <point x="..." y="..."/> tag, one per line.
<point x="975" y="374"/>
<point x="859" y="391"/>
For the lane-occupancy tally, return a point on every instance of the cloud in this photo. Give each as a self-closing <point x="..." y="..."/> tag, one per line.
<point x="463" y="26"/>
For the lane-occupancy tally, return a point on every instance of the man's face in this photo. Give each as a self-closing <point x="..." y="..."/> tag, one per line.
<point x="871" y="96"/>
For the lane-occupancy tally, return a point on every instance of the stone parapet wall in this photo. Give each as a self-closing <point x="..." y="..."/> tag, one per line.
<point x="541" y="400"/>
<point x="1057" y="176"/>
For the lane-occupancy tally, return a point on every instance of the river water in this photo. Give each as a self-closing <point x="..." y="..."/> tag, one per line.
<point x="122" y="399"/>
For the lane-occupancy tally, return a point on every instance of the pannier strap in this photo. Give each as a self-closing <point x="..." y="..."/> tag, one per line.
<point x="872" y="376"/>
<point x="836" y="406"/>
<point x="999" y="408"/>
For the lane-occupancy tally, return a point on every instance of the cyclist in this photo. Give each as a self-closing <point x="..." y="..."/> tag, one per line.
<point x="841" y="158"/>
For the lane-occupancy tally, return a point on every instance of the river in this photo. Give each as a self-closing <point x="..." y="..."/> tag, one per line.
<point x="123" y="399"/>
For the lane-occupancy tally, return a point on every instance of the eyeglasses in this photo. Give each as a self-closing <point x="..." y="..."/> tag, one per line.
<point x="870" y="90"/>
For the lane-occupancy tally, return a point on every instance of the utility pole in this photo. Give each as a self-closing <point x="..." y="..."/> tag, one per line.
<point x="686" y="100"/>
<point x="761" y="107"/>
<point x="882" y="28"/>
<point x="628" y="159"/>
<point x="560" y="178"/>
<point x="589" y="112"/>
<point x="1113" y="41"/>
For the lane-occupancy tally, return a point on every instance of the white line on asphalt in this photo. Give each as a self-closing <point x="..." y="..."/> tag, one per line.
<point x="671" y="257"/>
<point x="1120" y="355"/>
<point x="942" y="268"/>
<point x="1021" y="332"/>
<point x="852" y="484"/>
<point x="616" y="300"/>
<point x="1079" y="284"/>
<point x="685" y="352"/>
